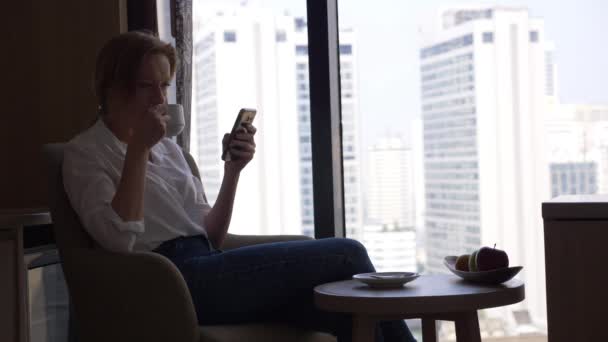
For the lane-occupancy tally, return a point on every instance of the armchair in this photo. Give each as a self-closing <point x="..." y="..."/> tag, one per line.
<point x="140" y="296"/>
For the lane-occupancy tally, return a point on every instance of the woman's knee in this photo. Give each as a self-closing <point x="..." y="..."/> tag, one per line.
<point x="354" y="251"/>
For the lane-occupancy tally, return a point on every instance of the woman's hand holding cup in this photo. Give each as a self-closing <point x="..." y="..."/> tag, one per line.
<point x="151" y="126"/>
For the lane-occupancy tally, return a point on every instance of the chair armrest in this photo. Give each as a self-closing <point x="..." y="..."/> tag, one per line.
<point x="128" y="297"/>
<point x="235" y="241"/>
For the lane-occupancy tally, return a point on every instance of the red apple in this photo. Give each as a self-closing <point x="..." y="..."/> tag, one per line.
<point x="491" y="258"/>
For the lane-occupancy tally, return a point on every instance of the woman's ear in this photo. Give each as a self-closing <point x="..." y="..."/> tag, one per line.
<point x="116" y="99"/>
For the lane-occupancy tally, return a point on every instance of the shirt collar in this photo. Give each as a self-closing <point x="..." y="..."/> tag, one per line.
<point x="108" y="139"/>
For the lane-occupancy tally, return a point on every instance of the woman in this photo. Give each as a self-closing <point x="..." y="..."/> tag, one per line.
<point x="133" y="191"/>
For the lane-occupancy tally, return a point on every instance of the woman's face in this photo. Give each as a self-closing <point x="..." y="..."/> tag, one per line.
<point x="153" y="79"/>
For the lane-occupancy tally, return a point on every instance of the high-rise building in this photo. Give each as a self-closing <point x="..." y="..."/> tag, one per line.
<point x="391" y="185"/>
<point x="578" y="134"/>
<point x="245" y="58"/>
<point x="390" y="233"/>
<point x="573" y="178"/>
<point x="551" y="84"/>
<point x="391" y="249"/>
<point x="483" y="86"/>
<point x="353" y="203"/>
<point x="417" y="143"/>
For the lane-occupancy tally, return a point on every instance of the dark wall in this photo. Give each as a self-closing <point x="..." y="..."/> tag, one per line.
<point x="47" y="94"/>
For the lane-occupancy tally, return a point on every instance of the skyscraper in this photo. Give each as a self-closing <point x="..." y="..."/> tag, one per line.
<point x="578" y="134"/>
<point x="391" y="184"/>
<point x="245" y="58"/>
<point x="483" y="85"/>
<point x="353" y="203"/>
<point x="390" y="232"/>
<point x="573" y="178"/>
<point x="391" y="249"/>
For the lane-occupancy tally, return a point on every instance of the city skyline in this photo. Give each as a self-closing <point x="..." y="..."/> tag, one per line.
<point x="578" y="134"/>
<point x="392" y="26"/>
<point x="507" y="166"/>
<point x="390" y="195"/>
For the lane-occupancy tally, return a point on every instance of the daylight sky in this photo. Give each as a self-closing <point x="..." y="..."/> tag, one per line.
<point x="388" y="45"/>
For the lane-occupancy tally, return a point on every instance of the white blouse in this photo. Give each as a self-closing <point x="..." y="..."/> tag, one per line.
<point x="174" y="200"/>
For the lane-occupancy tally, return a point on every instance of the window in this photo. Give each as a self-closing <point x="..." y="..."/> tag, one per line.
<point x="281" y="36"/>
<point x="229" y="36"/>
<point x="235" y="50"/>
<point x="431" y="163"/>
<point x="488" y="37"/>
<point x="534" y="36"/>
<point x="302" y="50"/>
<point x="346" y="49"/>
<point x="448" y="46"/>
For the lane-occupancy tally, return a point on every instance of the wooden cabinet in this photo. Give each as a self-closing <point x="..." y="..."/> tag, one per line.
<point x="14" y="318"/>
<point x="48" y="74"/>
<point x="576" y="261"/>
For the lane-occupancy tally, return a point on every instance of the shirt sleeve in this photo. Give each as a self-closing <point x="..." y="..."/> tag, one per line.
<point x="90" y="190"/>
<point x="200" y="206"/>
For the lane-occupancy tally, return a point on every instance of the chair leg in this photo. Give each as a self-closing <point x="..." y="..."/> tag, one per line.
<point x="429" y="330"/>
<point x="467" y="327"/>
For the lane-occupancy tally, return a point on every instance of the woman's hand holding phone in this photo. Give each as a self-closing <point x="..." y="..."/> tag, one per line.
<point x="239" y="145"/>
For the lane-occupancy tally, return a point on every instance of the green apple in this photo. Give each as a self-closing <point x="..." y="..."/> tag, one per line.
<point x="473" y="261"/>
<point x="462" y="263"/>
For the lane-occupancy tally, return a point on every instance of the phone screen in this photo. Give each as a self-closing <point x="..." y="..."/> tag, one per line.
<point x="246" y="115"/>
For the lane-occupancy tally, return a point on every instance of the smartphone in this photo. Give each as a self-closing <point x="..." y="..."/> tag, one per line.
<point x="246" y="115"/>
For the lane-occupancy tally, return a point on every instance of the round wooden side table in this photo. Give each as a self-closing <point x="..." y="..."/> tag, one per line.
<point x="430" y="297"/>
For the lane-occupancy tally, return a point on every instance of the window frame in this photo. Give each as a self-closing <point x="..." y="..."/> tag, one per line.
<point x="325" y="118"/>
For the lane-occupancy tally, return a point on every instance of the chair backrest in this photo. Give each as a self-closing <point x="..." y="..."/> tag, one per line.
<point x="70" y="236"/>
<point x="69" y="232"/>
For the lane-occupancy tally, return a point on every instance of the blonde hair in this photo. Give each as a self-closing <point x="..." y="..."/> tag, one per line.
<point x="119" y="59"/>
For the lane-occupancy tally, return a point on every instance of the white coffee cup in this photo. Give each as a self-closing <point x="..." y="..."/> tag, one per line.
<point x="176" y="122"/>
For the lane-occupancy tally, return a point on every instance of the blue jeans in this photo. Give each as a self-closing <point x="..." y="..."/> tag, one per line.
<point x="273" y="282"/>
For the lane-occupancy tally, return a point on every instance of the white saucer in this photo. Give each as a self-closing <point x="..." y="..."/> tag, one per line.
<point x="386" y="279"/>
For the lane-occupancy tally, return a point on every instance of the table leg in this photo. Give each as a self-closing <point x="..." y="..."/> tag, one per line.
<point x="429" y="331"/>
<point x="467" y="327"/>
<point x="364" y="328"/>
